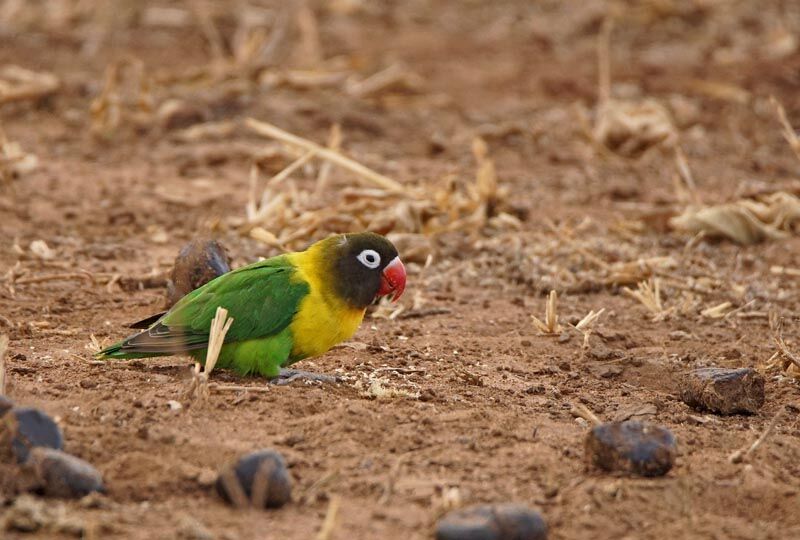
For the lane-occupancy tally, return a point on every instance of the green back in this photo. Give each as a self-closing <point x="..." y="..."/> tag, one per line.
<point x="262" y="298"/>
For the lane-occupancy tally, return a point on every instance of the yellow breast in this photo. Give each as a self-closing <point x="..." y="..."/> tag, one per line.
<point x="322" y="320"/>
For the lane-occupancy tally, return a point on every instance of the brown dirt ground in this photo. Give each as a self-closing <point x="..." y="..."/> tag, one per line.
<point x="493" y="418"/>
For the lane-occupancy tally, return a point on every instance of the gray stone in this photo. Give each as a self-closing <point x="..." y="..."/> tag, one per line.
<point x="59" y="474"/>
<point x="260" y="479"/>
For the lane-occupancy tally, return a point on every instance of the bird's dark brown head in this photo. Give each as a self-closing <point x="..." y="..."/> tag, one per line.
<point x="363" y="267"/>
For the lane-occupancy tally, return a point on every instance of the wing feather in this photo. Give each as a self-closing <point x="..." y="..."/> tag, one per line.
<point x="262" y="298"/>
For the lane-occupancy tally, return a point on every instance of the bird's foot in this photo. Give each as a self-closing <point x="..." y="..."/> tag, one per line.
<point x="288" y="376"/>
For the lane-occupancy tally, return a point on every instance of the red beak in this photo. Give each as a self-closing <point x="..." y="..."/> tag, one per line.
<point x="393" y="279"/>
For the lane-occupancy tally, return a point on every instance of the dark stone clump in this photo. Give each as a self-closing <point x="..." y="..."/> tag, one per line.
<point x="58" y="474"/>
<point x="198" y="262"/>
<point x="492" y="522"/>
<point x="24" y="428"/>
<point x="724" y="391"/>
<point x="631" y="447"/>
<point x="260" y="479"/>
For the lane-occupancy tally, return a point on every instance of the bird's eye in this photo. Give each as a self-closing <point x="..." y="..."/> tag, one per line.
<point x="369" y="258"/>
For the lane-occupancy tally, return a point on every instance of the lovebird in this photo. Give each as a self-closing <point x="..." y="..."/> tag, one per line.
<point x="284" y="309"/>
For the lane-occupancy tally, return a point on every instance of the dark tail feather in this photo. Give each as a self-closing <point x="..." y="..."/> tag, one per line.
<point x="148" y="322"/>
<point x="117" y="352"/>
<point x="156" y="340"/>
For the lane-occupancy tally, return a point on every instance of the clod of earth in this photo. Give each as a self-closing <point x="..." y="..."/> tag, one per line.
<point x="492" y="522"/>
<point x="631" y="447"/>
<point x="22" y="429"/>
<point x="5" y="405"/>
<point x="723" y="390"/>
<point x="198" y="262"/>
<point x="260" y="479"/>
<point x="59" y="474"/>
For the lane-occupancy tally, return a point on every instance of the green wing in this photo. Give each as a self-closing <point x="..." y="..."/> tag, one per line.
<point x="262" y="298"/>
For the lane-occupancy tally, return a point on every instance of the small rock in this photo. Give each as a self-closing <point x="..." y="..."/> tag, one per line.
<point x="24" y="428"/>
<point x="606" y="371"/>
<point x="198" y="262"/>
<point x="492" y="522"/>
<point x="260" y="478"/>
<point x="174" y="405"/>
<point x="635" y="412"/>
<point x="179" y="114"/>
<point x="59" y="474"/>
<point x="724" y="391"/>
<point x="633" y="447"/>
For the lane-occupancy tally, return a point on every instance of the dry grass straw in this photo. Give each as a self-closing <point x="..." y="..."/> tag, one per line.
<point x="625" y="127"/>
<point x="648" y="293"/>
<point x="784" y="271"/>
<point x="20" y="84"/>
<point x="367" y="175"/>
<point x="220" y="325"/>
<point x="746" y="221"/>
<point x="586" y="325"/>
<point x="765" y="216"/>
<point x="291" y="214"/>
<point x="3" y="351"/>
<point x="550" y="325"/>
<point x="126" y="98"/>
<point x="718" y="311"/>
<point x="14" y="161"/>
<point x="582" y="411"/>
<point x="329" y="523"/>
<point x="743" y="453"/>
<point x="234" y="488"/>
<point x="788" y="131"/>
<point x="395" y="76"/>
<point x="789" y="362"/>
<point x="335" y="144"/>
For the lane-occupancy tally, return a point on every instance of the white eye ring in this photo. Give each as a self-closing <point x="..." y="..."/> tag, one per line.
<point x="369" y="258"/>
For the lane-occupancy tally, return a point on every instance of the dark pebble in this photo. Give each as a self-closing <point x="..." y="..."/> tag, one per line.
<point x="724" y="391"/>
<point x="198" y="262"/>
<point x="260" y="479"/>
<point x="492" y="522"/>
<point x="632" y="447"/>
<point x="59" y="474"/>
<point x="25" y="428"/>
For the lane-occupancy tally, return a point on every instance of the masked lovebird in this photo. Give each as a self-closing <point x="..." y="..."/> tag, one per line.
<point x="284" y="309"/>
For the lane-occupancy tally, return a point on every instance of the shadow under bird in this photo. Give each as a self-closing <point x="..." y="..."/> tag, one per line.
<point x="284" y="309"/>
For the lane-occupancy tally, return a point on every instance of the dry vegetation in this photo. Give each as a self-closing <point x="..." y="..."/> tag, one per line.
<point x="633" y="167"/>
